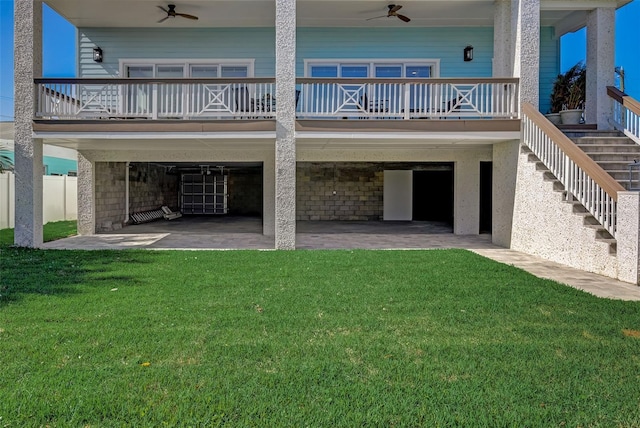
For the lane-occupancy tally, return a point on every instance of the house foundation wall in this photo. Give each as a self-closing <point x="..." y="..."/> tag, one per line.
<point x="544" y="225"/>
<point x="109" y="195"/>
<point x="149" y="188"/>
<point x="339" y="191"/>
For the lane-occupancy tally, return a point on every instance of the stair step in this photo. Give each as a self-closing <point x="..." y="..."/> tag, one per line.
<point x="609" y="148"/>
<point x="577" y="133"/>
<point x="614" y="165"/>
<point x="614" y="156"/>
<point x="601" y="139"/>
<point x="589" y="221"/>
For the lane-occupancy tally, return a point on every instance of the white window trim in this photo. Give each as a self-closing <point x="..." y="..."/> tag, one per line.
<point x="404" y="62"/>
<point x="186" y="63"/>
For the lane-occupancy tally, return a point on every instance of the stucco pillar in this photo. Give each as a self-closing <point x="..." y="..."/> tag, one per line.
<point x="285" y="166"/>
<point x="28" y="151"/>
<point x="628" y="236"/>
<point x="268" y="196"/>
<point x="505" y="159"/>
<point x="525" y="33"/>
<point x="86" y="196"/>
<point x="466" y="203"/>
<point x="600" y="66"/>
<point x="502" y="53"/>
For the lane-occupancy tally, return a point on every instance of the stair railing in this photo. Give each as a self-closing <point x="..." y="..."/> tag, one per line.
<point x="626" y="113"/>
<point x="581" y="176"/>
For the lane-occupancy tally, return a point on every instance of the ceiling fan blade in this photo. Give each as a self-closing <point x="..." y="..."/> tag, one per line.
<point x="163" y="9"/>
<point x="185" y="15"/>
<point x="402" y="17"/>
<point x="376" y="17"/>
<point x="163" y="19"/>
<point x="395" y="8"/>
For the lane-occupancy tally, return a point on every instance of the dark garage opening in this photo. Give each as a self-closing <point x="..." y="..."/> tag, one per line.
<point x="207" y="188"/>
<point x="486" y="180"/>
<point x="433" y="194"/>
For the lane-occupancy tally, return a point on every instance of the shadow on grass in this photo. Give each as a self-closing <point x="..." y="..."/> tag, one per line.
<point x="50" y="232"/>
<point x="26" y="271"/>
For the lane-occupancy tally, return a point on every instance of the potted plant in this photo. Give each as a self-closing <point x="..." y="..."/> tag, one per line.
<point x="573" y="106"/>
<point x="568" y="95"/>
<point x="557" y="99"/>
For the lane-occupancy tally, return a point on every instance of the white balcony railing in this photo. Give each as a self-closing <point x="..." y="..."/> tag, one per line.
<point x="582" y="178"/>
<point x="154" y="98"/>
<point x="408" y="98"/>
<point x="486" y="98"/>
<point x="626" y="113"/>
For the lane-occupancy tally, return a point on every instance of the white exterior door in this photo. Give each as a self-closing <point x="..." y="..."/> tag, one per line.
<point x="398" y="195"/>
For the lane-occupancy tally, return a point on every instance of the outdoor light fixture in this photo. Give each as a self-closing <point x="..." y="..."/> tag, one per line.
<point x="620" y="72"/>
<point x="468" y="53"/>
<point x="97" y="54"/>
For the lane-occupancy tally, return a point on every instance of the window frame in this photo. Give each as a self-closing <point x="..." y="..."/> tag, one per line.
<point x="124" y="63"/>
<point x="434" y="63"/>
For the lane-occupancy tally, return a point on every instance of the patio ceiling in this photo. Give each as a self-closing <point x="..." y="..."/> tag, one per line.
<point x="310" y="13"/>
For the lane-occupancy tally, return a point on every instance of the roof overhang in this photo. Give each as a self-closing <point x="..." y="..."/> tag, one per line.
<point x="564" y="15"/>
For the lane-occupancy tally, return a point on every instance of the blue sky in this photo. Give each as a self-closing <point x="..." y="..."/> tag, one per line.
<point x="59" y="50"/>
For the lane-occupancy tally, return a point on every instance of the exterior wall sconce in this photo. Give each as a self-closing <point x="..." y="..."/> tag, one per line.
<point x="97" y="54"/>
<point x="468" y="53"/>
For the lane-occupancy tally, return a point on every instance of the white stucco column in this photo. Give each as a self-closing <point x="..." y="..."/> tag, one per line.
<point x="285" y="166"/>
<point x="269" y="196"/>
<point x="628" y="237"/>
<point x="525" y="34"/>
<point x="502" y="44"/>
<point x="600" y="66"/>
<point x="466" y="203"/>
<point x="86" y="196"/>
<point x="28" y="151"/>
<point x="505" y="159"/>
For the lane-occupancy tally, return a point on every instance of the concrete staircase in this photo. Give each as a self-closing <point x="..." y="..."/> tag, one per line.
<point x="600" y="234"/>
<point x="611" y="150"/>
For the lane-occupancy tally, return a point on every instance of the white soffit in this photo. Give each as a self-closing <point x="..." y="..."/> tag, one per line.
<point x="310" y="13"/>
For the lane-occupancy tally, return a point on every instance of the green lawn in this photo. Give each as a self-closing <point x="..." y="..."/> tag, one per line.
<point x="51" y="231"/>
<point x="307" y="338"/>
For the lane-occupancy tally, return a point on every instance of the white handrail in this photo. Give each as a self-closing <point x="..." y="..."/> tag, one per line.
<point x="154" y="100"/>
<point x="427" y="98"/>
<point x="626" y="114"/>
<point x="581" y="177"/>
<point x="482" y="98"/>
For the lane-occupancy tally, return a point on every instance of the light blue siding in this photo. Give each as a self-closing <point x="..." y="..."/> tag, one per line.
<point x="549" y="65"/>
<point x="443" y="43"/>
<point x="446" y="44"/>
<point x="59" y="165"/>
<point x="178" y="43"/>
<point x="52" y="164"/>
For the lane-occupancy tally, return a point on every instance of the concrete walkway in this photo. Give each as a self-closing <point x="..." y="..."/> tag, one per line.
<point x="222" y="233"/>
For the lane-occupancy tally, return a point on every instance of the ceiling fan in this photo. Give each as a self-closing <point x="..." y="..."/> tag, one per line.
<point x="393" y="11"/>
<point x="171" y="13"/>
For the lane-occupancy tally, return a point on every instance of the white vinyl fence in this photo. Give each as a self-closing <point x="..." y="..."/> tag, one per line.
<point x="60" y="199"/>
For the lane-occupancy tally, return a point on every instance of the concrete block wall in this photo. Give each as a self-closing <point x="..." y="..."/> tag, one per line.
<point x="109" y="195"/>
<point x="245" y="192"/>
<point x="339" y="191"/>
<point x="150" y="187"/>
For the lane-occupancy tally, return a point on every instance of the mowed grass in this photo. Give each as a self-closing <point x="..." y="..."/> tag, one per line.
<point x="51" y="231"/>
<point x="307" y="338"/>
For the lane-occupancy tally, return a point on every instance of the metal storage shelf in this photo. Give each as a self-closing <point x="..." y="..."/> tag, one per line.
<point x="204" y="194"/>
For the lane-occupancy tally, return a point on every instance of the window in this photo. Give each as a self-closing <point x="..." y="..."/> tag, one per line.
<point x="186" y="68"/>
<point x="411" y="68"/>
<point x="178" y="99"/>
